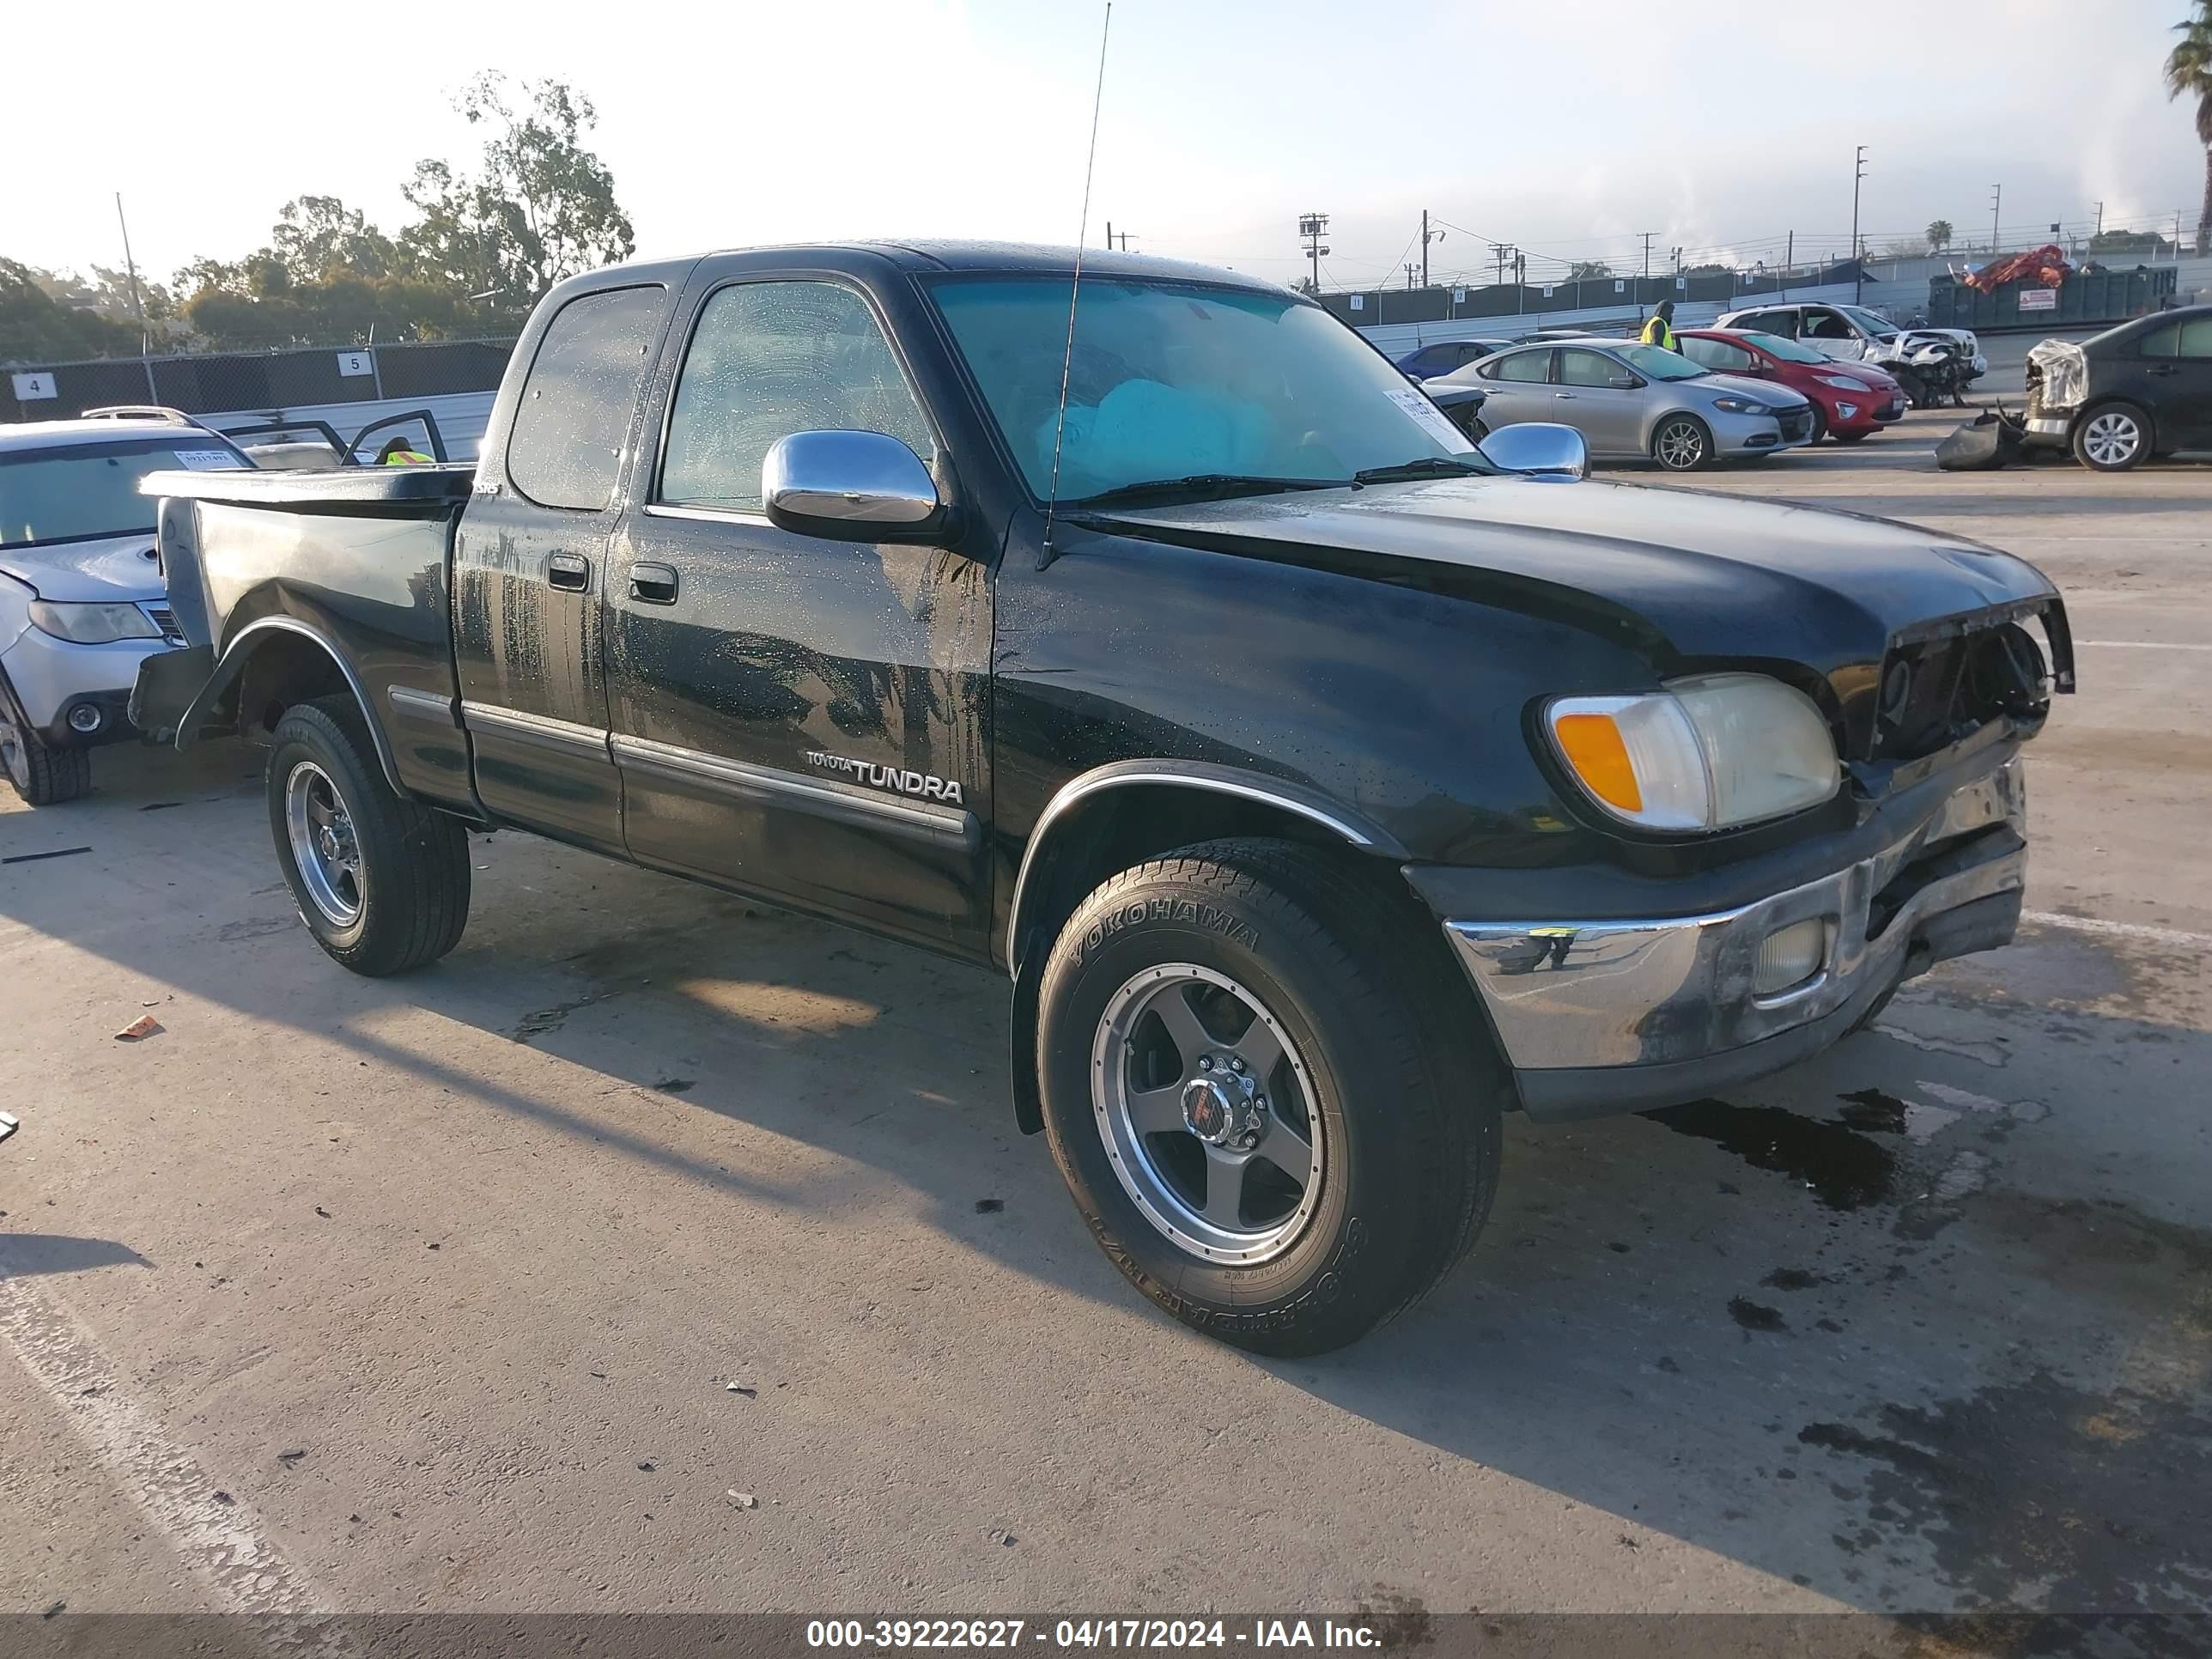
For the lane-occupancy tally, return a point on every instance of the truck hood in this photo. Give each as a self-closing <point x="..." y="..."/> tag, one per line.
<point x="118" y="569"/>
<point x="1691" y="579"/>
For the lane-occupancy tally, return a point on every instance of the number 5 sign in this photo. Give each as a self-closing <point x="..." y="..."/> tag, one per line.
<point x="355" y="363"/>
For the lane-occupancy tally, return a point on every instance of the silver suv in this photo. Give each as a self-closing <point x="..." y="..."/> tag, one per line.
<point x="82" y="600"/>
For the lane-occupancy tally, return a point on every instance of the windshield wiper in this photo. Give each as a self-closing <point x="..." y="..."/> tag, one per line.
<point x="1201" y="486"/>
<point x="1428" y="466"/>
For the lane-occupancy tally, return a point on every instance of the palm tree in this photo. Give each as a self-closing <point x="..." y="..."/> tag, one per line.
<point x="1939" y="236"/>
<point x="2189" y="74"/>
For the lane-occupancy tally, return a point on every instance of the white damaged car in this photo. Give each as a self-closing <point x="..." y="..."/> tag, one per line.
<point x="82" y="600"/>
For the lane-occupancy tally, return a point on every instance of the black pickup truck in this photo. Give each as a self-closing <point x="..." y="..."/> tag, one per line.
<point x="1324" y="785"/>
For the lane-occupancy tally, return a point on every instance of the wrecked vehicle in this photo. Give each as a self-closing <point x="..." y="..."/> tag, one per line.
<point x="1324" y="789"/>
<point x="2119" y="397"/>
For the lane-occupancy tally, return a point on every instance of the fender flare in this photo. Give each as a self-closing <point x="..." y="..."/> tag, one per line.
<point x="240" y="651"/>
<point x="1354" y="827"/>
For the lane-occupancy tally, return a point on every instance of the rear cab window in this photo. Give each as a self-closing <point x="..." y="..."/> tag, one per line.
<point x="574" y="416"/>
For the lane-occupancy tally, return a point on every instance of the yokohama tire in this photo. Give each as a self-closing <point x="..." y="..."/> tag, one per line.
<point x="410" y="894"/>
<point x="1404" y="1098"/>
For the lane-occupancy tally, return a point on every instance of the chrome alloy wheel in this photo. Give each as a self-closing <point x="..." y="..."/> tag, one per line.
<point x="2112" y="439"/>
<point x="323" y="843"/>
<point x="1207" y="1112"/>
<point x="1681" y="444"/>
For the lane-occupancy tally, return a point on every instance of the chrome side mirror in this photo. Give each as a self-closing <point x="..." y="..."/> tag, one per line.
<point x="850" y="486"/>
<point x="1541" y="448"/>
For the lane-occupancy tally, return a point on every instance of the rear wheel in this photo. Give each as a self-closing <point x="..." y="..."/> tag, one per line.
<point x="2112" y="437"/>
<point x="1681" y="443"/>
<point x="40" y="773"/>
<point x="382" y="882"/>
<point x="1268" y="1117"/>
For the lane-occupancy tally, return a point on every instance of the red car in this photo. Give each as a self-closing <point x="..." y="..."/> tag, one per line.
<point x="1851" y="401"/>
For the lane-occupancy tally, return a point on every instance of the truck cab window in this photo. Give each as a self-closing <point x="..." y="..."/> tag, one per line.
<point x="575" y="407"/>
<point x="768" y="360"/>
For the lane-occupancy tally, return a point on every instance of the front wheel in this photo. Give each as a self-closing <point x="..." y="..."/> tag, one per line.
<point x="1270" y="1119"/>
<point x="41" y="774"/>
<point x="382" y="882"/>
<point x="2112" y="438"/>
<point x="1852" y="437"/>
<point x="1681" y="443"/>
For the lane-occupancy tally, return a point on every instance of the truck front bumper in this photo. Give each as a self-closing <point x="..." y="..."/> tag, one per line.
<point x="1599" y="1016"/>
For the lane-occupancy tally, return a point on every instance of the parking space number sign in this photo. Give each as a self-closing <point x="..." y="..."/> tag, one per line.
<point x="354" y="362"/>
<point x="29" y="388"/>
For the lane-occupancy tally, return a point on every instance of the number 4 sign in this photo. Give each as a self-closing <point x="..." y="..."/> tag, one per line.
<point x="29" y="388"/>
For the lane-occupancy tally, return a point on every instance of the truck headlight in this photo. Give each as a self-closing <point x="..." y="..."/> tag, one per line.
<point x="1707" y="753"/>
<point x="92" y="624"/>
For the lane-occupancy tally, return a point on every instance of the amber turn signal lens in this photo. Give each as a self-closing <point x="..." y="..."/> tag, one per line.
<point x="1593" y="746"/>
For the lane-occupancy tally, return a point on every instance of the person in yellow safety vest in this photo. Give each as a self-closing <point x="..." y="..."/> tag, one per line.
<point x="1660" y="331"/>
<point x="400" y="452"/>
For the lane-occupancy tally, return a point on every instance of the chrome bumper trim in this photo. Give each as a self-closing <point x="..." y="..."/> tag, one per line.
<point x="1647" y="992"/>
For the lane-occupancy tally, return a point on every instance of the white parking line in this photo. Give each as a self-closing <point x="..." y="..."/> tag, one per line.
<point x="217" y="1536"/>
<point x="2142" y="645"/>
<point x="2120" y="929"/>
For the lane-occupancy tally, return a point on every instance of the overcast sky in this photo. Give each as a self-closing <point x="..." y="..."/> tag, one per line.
<point x="1565" y="129"/>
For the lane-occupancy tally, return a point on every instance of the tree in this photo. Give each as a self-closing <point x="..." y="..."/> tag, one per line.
<point x="541" y="208"/>
<point x="2189" y="74"/>
<point x="317" y="237"/>
<point x="1939" y="236"/>
<point x="1587" y="270"/>
<point x="36" y="327"/>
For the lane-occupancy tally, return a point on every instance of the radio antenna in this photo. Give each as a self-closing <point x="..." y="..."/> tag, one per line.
<point x="1046" y="553"/>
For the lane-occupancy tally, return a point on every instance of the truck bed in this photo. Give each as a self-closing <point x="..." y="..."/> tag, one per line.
<point x="352" y="567"/>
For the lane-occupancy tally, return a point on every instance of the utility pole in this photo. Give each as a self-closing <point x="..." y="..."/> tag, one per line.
<point x="131" y="267"/>
<point x="1858" y="265"/>
<point x="1410" y="268"/>
<point x="2101" y="218"/>
<point x="1997" y="200"/>
<point x="1788" y="258"/>
<point x="1646" y="282"/>
<point x="1313" y="226"/>
<point x="1425" y="247"/>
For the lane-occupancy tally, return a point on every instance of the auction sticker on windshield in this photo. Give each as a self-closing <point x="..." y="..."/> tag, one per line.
<point x="207" y="460"/>
<point x="1432" y="419"/>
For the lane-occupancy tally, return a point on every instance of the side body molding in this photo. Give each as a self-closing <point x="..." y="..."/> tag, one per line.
<point x="1354" y="829"/>
<point x="240" y="651"/>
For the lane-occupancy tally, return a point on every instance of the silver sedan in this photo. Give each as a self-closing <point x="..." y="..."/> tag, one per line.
<point x="1636" y="402"/>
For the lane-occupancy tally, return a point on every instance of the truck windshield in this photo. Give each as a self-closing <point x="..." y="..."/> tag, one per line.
<point x="1183" y="381"/>
<point x="78" y="492"/>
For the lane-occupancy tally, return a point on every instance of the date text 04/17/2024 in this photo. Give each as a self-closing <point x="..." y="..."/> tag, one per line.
<point x="897" y="1633"/>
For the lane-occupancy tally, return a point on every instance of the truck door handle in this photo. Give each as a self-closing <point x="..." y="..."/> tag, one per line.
<point x="1568" y="395"/>
<point x="569" y="572"/>
<point x="2161" y="368"/>
<point x="652" y="584"/>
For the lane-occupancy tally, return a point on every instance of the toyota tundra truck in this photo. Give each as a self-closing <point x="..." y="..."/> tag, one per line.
<point x="1325" y="786"/>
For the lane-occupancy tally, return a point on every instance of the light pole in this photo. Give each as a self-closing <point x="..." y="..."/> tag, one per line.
<point x="1858" y="265"/>
<point x="1997" y="200"/>
<point x="1313" y="226"/>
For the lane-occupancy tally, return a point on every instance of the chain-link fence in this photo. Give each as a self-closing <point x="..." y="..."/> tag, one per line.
<point x="221" y="382"/>
<point x="1370" y="308"/>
